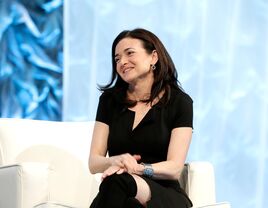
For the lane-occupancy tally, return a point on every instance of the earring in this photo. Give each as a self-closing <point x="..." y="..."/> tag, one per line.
<point x="153" y="67"/>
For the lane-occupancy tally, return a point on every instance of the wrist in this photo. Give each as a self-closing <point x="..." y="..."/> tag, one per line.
<point x="111" y="160"/>
<point x="148" y="170"/>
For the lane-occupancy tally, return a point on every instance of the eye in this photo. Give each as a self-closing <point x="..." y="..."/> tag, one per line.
<point x="116" y="60"/>
<point x="130" y="52"/>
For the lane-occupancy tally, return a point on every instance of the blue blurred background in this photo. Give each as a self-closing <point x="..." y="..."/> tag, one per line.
<point x="220" y="48"/>
<point x="31" y="57"/>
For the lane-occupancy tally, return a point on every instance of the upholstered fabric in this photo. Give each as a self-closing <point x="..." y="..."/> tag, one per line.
<point x="44" y="164"/>
<point x="23" y="185"/>
<point x="216" y="205"/>
<point x="18" y="134"/>
<point x="63" y="146"/>
<point x="201" y="183"/>
<point x="52" y="205"/>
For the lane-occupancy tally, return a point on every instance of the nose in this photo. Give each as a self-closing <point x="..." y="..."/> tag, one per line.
<point x="123" y="60"/>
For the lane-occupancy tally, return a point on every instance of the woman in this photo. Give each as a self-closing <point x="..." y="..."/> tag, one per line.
<point x="144" y="122"/>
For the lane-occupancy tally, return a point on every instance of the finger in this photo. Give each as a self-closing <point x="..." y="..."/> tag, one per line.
<point x="120" y="171"/>
<point x="111" y="170"/>
<point x="129" y="159"/>
<point x="104" y="175"/>
<point x="137" y="157"/>
<point x="120" y="162"/>
<point x="117" y="160"/>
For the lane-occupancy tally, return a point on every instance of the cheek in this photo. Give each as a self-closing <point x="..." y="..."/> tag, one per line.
<point x="117" y="68"/>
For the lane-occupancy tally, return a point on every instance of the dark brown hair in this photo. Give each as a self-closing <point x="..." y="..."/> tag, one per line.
<point x="165" y="74"/>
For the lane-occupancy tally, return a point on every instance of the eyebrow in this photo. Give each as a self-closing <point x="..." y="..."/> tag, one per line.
<point x="124" y="51"/>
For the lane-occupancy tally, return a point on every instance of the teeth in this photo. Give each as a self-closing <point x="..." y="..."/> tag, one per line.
<point x="126" y="70"/>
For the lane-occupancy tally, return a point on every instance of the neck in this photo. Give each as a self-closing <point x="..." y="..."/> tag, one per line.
<point x="140" y="90"/>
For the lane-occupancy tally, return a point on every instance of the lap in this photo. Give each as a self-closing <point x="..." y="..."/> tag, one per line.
<point x="166" y="197"/>
<point x="151" y="193"/>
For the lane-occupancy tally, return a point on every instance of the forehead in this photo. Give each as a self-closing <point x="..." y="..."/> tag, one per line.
<point x="128" y="43"/>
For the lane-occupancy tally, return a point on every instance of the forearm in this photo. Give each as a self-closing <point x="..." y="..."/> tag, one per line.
<point x="169" y="170"/>
<point x="173" y="166"/>
<point x="98" y="164"/>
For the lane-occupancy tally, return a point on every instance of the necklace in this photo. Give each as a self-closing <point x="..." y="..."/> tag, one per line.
<point x="134" y="98"/>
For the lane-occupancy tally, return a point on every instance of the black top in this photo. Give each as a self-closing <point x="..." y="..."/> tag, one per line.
<point x="151" y="137"/>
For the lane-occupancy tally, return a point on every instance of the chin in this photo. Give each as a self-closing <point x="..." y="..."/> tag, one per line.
<point x="128" y="80"/>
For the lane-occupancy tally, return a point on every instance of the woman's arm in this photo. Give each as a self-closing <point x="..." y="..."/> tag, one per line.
<point x="97" y="159"/>
<point x="98" y="162"/>
<point x="177" y="151"/>
<point x="169" y="169"/>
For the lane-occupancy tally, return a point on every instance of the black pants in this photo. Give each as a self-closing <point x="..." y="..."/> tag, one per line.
<point x="117" y="191"/>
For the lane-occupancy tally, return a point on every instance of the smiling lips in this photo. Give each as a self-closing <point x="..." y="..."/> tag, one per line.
<point x="125" y="70"/>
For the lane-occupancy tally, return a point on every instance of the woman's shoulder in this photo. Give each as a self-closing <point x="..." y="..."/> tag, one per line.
<point x="112" y="95"/>
<point x="181" y="109"/>
<point x="106" y="94"/>
<point x="179" y="95"/>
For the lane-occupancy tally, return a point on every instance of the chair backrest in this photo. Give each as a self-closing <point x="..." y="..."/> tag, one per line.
<point x="64" y="146"/>
<point x="16" y="135"/>
<point x="183" y="178"/>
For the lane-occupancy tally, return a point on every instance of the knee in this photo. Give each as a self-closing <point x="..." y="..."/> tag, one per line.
<point x="133" y="203"/>
<point x="124" y="181"/>
<point x="110" y="181"/>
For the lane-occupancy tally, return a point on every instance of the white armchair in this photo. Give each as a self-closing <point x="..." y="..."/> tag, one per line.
<point x="198" y="180"/>
<point x="43" y="164"/>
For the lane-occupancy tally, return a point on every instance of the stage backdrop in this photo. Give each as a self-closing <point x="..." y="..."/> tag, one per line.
<point x="220" y="48"/>
<point x="31" y="53"/>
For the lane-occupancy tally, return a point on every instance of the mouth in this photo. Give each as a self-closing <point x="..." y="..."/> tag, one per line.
<point x="127" y="69"/>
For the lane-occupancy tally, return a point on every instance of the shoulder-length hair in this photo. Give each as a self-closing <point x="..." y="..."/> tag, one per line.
<point x="165" y="74"/>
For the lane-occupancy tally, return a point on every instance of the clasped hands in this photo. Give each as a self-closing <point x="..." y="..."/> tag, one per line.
<point x="124" y="163"/>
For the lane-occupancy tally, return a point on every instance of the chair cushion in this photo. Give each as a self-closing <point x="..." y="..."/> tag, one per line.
<point x="68" y="178"/>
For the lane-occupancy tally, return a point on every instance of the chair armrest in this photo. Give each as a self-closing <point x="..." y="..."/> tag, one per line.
<point x="200" y="184"/>
<point x="69" y="180"/>
<point x="217" y="205"/>
<point x="52" y="205"/>
<point x="23" y="185"/>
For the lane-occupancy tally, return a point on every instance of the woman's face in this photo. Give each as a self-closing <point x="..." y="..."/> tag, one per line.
<point x="132" y="61"/>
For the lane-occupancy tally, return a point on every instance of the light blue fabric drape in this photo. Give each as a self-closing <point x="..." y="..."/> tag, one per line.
<point x="31" y="59"/>
<point x="220" y="48"/>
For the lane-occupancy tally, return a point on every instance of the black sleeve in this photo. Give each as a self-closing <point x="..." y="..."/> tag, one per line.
<point x="183" y="111"/>
<point x="104" y="111"/>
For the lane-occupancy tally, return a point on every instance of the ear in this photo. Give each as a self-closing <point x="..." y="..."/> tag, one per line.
<point x="154" y="57"/>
